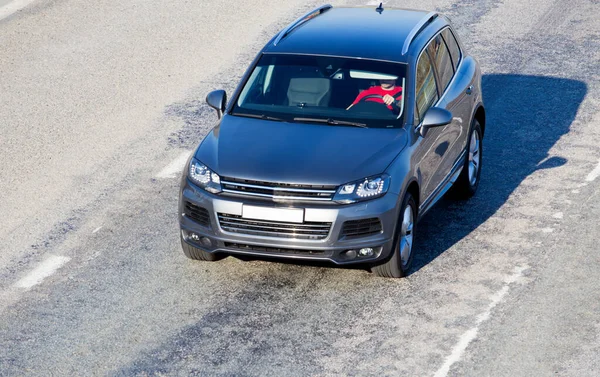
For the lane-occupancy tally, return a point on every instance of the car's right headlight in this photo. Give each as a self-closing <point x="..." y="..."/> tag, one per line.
<point x="201" y="175"/>
<point x="365" y="189"/>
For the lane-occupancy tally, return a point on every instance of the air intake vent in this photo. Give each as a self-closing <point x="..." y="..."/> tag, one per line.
<point x="198" y="214"/>
<point x="277" y="229"/>
<point x="275" y="250"/>
<point x="361" y="228"/>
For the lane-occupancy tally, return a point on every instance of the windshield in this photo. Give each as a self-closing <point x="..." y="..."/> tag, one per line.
<point x="327" y="90"/>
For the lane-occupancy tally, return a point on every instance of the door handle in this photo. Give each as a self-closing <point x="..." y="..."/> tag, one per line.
<point x="469" y="90"/>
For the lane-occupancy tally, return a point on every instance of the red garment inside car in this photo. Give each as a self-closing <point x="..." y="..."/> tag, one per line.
<point x="396" y="93"/>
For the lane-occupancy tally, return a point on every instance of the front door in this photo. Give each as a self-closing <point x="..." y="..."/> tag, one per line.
<point x="431" y="147"/>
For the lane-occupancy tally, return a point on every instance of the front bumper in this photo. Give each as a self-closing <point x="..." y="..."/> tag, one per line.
<point x="211" y="237"/>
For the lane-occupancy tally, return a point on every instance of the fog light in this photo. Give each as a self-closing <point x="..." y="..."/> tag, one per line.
<point x="194" y="237"/>
<point x="350" y="254"/>
<point x="206" y="241"/>
<point x="366" y="252"/>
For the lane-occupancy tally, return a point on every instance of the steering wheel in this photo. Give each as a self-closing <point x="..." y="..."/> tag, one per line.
<point x="395" y="107"/>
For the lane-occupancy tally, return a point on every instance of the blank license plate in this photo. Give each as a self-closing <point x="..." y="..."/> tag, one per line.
<point x="273" y="214"/>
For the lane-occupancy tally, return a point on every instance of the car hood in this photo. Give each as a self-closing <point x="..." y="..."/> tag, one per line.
<point x="316" y="154"/>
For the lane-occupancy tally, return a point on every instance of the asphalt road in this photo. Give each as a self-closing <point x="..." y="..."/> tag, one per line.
<point x="97" y="99"/>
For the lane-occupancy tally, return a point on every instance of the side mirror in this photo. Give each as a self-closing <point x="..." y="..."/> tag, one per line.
<point x="435" y="117"/>
<point x="217" y="99"/>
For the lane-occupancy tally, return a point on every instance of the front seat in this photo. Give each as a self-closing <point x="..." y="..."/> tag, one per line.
<point x="309" y="91"/>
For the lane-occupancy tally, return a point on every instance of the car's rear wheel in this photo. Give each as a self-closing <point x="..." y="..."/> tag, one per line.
<point x="198" y="254"/>
<point x="468" y="180"/>
<point x="400" y="262"/>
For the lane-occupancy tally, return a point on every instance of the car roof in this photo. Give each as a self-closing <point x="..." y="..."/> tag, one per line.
<point x="353" y="32"/>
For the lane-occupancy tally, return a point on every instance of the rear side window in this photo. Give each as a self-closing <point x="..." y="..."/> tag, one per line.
<point x="452" y="47"/>
<point x="426" y="88"/>
<point x="439" y="52"/>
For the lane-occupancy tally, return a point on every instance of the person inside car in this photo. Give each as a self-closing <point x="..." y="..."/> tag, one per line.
<point x="387" y="90"/>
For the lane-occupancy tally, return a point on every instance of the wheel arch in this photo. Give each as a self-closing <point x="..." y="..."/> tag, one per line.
<point x="413" y="189"/>
<point x="480" y="116"/>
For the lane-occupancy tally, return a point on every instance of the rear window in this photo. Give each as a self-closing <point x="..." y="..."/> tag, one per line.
<point x="294" y="88"/>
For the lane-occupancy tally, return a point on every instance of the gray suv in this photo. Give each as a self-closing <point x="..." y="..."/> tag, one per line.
<point x="349" y="125"/>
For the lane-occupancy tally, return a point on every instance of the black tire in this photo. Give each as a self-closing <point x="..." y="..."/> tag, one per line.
<point x="465" y="187"/>
<point x="197" y="254"/>
<point x="394" y="268"/>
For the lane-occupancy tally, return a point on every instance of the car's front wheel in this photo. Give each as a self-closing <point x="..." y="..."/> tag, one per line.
<point x="400" y="262"/>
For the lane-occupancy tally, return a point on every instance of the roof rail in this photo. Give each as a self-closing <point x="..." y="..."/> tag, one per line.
<point x="417" y="29"/>
<point x="312" y="14"/>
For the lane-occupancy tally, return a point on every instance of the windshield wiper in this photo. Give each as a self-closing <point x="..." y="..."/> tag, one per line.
<point x="262" y="116"/>
<point x="332" y="122"/>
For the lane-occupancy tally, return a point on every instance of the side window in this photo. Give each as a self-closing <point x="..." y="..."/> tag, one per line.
<point x="452" y="46"/>
<point x="439" y="52"/>
<point x="426" y="89"/>
<point x="254" y="86"/>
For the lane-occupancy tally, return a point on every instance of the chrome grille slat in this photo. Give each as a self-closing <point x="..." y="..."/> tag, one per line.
<point x="276" y="188"/>
<point x="272" y="233"/>
<point x="277" y="191"/>
<point x="307" y="226"/>
<point x="274" y="196"/>
<point x="277" y="229"/>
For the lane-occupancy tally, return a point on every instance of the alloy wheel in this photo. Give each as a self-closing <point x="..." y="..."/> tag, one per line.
<point x="474" y="157"/>
<point x="406" y="236"/>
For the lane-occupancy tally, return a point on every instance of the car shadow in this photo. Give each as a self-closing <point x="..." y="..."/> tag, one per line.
<point x="525" y="117"/>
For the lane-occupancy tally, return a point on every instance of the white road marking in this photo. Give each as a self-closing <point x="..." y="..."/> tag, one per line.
<point x="13" y="7"/>
<point x="175" y="167"/>
<point x="47" y="268"/>
<point x="96" y="230"/>
<point x="593" y="174"/>
<point x="471" y="334"/>
<point x="558" y="215"/>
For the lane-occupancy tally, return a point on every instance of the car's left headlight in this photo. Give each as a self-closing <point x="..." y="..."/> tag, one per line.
<point x="365" y="189"/>
<point x="201" y="175"/>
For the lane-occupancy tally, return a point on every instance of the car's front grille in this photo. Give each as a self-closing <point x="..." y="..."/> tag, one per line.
<point x="277" y="191"/>
<point x="306" y="230"/>
<point x="277" y="250"/>
<point x="361" y="228"/>
<point x="198" y="214"/>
